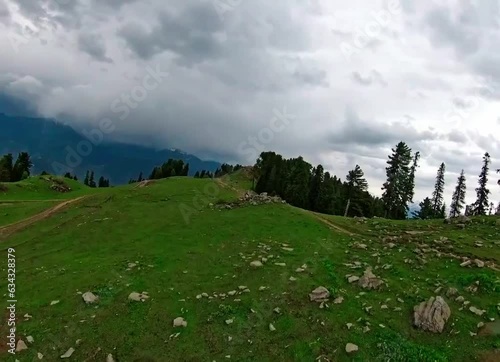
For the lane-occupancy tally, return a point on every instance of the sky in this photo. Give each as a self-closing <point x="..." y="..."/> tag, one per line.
<point x="337" y="82"/>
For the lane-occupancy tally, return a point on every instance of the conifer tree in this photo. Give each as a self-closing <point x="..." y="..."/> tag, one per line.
<point x="458" y="198"/>
<point x="481" y="204"/>
<point x="87" y="178"/>
<point x="437" y="195"/>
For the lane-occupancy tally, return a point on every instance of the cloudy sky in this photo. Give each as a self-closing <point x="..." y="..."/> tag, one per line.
<point x="337" y="82"/>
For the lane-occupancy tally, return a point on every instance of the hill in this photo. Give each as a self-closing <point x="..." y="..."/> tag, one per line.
<point x="47" y="142"/>
<point x="188" y="246"/>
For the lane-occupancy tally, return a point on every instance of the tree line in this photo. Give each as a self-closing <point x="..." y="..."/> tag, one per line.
<point x="434" y="208"/>
<point x="89" y="180"/>
<point x="11" y="171"/>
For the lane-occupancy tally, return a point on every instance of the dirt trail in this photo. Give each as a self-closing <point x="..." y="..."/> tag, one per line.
<point x="226" y="185"/>
<point x="330" y="224"/>
<point x="19" y="225"/>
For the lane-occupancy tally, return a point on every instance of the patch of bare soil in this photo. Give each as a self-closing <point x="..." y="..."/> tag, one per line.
<point x="8" y="230"/>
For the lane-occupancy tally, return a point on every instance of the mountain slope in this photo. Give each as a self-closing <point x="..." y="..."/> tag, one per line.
<point x="47" y="142"/>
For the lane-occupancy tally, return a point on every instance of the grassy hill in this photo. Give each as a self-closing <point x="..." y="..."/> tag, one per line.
<point x="177" y="239"/>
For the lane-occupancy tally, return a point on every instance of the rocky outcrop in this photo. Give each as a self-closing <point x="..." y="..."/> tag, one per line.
<point x="370" y="280"/>
<point x="254" y="199"/>
<point x="431" y="315"/>
<point x="320" y="294"/>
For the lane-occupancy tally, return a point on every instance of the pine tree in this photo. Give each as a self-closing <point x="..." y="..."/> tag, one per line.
<point x="481" y="204"/>
<point x="437" y="195"/>
<point x="101" y="182"/>
<point x="140" y="177"/>
<point x="317" y="180"/>
<point x="356" y="186"/>
<point x="91" y="180"/>
<point x="426" y="210"/>
<point x="396" y="188"/>
<point x="410" y="187"/>
<point x="458" y="198"/>
<point x="86" y="180"/>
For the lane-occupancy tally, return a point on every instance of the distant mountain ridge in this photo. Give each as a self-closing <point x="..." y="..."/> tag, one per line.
<point x="47" y="141"/>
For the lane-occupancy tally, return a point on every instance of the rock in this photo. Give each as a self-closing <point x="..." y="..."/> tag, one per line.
<point x="320" y="294"/>
<point x="277" y="310"/>
<point x="256" y="264"/>
<point x="477" y="311"/>
<point x="350" y="348"/>
<point x="459" y="299"/>
<point x="370" y="280"/>
<point x="54" y="302"/>
<point x="466" y="263"/>
<point x="131" y="265"/>
<point x="299" y="270"/>
<point x="280" y="264"/>
<point x="271" y="327"/>
<point x="68" y="353"/>
<point x="231" y="293"/>
<point x="242" y="287"/>
<point x="110" y="358"/>
<point x="287" y="249"/>
<point x="138" y="297"/>
<point x="479" y="263"/>
<point x="480" y="325"/>
<point x="292" y="279"/>
<point x="21" y="346"/>
<point x="338" y="300"/>
<point x="490" y="329"/>
<point x="39" y="355"/>
<point x="349" y="325"/>
<point x="90" y="298"/>
<point x="431" y="315"/>
<point x="179" y="322"/>
<point x="262" y="288"/>
<point x="451" y="292"/>
<point x="30" y="339"/>
<point x="352" y="278"/>
<point x="229" y="321"/>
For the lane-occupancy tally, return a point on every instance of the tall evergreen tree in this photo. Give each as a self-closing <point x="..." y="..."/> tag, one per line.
<point x="426" y="210"/>
<point x="437" y="195"/>
<point x="396" y="188"/>
<point x="87" y="178"/>
<point x="356" y="186"/>
<point x="458" y="198"/>
<point x="317" y="179"/>
<point x="481" y="204"/>
<point x="21" y="169"/>
<point x="91" y="179"/>
<point x="410" y="187"/>
<point x="6" y="167"/>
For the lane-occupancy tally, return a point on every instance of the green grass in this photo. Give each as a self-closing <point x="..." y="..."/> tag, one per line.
<point x="39" y="188"/>
<point x="185" y="247"/>
<point x="11" y="212"/>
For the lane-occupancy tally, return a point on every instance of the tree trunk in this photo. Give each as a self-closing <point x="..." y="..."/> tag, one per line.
<point x="347" y="207"/>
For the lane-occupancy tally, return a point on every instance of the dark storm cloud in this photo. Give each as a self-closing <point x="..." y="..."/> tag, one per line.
<point x="190" y="34"/>
<point x="355" y="130"/>
<point x="93" y="45"/>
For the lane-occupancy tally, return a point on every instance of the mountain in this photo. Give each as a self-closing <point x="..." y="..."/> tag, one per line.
<point x="57" y="148"/>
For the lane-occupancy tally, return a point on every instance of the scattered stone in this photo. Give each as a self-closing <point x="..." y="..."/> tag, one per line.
<point x="287" y="249"/>
<point x="39" y="355"/>
<point x="21" y="346"/>
<point x="451" y="292"/>
<point x="459" y="299"/>
<point x="350" y="348"/>
<point x="179" y="322"/>
<point x="349" y="325"/>
<point x="242" y="287"/>
<point x="280" y="264"/>
<point x="432" y="315"/>
<point x="132" y="265"/>
<point x="338" y="300"/>
<point x="466" y="263"/>
<point x="352" y="278"/>
<point x="231" y="293"/>
<point x="204" y="295"/>
<point x="54" y="302"/>
<point x="370" y="280"/>
<point x="292" y="279"/>
<point x="477" y="311"/>
<point x="229" y="321"/>
<point x="138" y="297"/>
<point x="479" y="263"/>
<point x="30" y="339"/>
<point x="68" y="353"/>
<point x="110" y="358"/>
<point x="384" y="306"/>
<point x="320" y="294"/>
<point x="271" y="327"/>
<point x="299" y="270"/>
<point x="366" y="329"/>
<point x="256" y="264"/>
<point x="480" y="325"/>
<point x="262" y="288"/>
<point x="90" y="298"/>
<point x="277" y="310"/>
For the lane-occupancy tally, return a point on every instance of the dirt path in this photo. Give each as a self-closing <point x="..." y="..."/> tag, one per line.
<point x="239" y="192"/>
<point x="19" y="225"/>
<point x="330" y="224"/>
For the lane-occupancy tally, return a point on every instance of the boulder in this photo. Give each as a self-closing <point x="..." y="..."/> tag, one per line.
<point x="350" y="348"/>
<point x="256" y="264"/>
<point x="370" y="280"/>
<point x="431" y="315"/>
<point x="179" y="322"/>
<point x="90" y="298"/>
<point x="320" y="294"/>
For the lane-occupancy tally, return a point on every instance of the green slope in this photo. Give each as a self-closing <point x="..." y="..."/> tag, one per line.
<point x="184" y="247"/>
